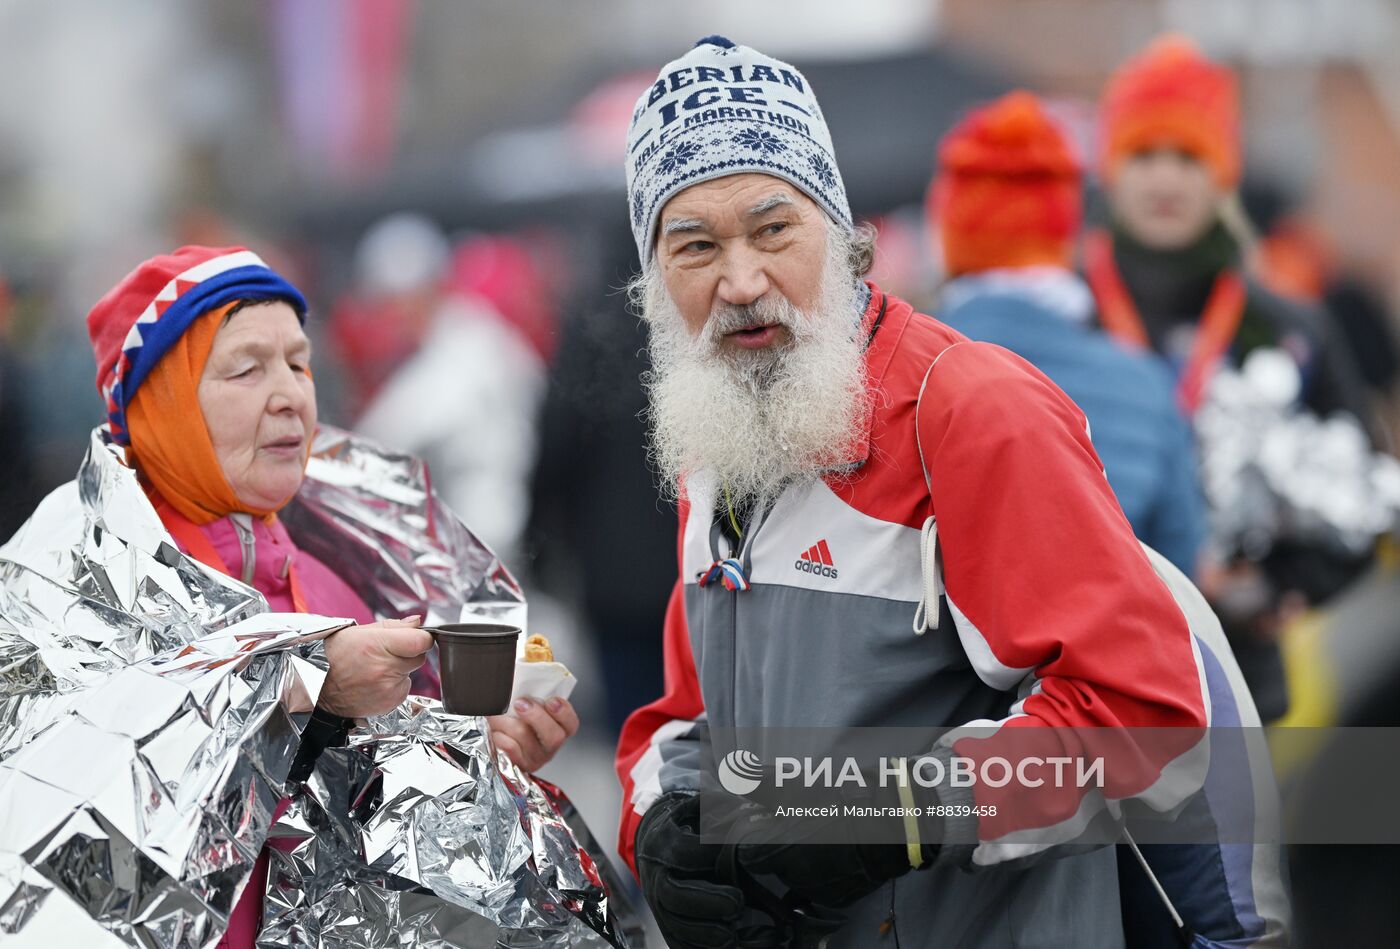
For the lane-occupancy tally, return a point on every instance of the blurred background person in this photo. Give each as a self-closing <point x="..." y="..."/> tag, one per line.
<point x="380" y="321"/>
<point x="594" y="502"/>
<point x="1295" y="258"/>
<point x="1006" y="204"/>
<point x="1168" y="276"/>
<point x="466" y="395"/>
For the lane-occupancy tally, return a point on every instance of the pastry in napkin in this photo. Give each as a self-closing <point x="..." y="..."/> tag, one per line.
<point x="538" y="676"/>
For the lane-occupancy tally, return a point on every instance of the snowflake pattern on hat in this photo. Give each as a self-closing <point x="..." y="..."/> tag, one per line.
<point x="823" y="169"/>
<point x="760" y="140"/>
<point x="720" y="110"/>
<point x="678" y="157"/>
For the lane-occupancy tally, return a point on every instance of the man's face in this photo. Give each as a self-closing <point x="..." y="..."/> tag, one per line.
<point x="1164" y="198"/>
<point x="753" y="309"/>
<point x="736" y="241"/>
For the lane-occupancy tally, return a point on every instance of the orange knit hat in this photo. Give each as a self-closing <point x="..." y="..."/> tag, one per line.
<point x="1170" y="94"/>
<point x="1007" y="189"/>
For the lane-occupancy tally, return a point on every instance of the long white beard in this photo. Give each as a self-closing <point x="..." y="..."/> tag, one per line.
<point x="758" y="420"/>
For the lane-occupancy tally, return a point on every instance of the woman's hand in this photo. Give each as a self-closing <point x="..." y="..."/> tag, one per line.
<point x="534" y="731"/>
<point x="370" y="666"/>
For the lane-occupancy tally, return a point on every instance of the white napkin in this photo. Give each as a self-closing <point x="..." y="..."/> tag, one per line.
<point x="542" y="681"/>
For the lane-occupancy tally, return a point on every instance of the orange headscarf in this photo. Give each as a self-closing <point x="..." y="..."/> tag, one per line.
<point x="170" y="444"/>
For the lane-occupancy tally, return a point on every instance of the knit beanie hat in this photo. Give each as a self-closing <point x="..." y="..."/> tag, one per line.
<point x="1007" y="189"/>
<point x="1170" y="94"/>
<point x="142" y="316"/>
<point x="720" y="110"/>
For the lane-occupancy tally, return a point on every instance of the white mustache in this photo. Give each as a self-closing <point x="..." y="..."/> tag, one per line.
<point x="728" y="318"/>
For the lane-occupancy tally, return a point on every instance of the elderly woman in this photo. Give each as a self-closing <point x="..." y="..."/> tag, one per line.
<point x="206" y="373"/>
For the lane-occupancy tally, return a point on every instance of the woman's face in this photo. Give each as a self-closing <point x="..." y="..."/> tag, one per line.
<point x="1165" y="198"/>
<point x="259" y="403"/>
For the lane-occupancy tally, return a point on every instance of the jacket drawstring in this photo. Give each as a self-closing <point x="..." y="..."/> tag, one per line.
<point x="926" y="616"/>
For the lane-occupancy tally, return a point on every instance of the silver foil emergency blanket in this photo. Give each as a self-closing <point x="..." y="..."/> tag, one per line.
<point x="150" y="711"/>
<point x="1275" y="472"/>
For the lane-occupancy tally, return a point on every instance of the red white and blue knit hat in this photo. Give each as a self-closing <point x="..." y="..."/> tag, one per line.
<point x="720" y="110"/>
<point x="142" y="316"/>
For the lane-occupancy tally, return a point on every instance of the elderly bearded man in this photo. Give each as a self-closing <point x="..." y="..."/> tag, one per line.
<point x="812" y="426"/>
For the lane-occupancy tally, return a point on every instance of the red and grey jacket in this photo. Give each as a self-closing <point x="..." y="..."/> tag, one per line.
<point x="1059" y="621"/>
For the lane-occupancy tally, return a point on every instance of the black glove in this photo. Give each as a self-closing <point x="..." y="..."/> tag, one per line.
<point x="826" y="860"/>
<point x="680" y="877"/>
<point x="828" y="874"/>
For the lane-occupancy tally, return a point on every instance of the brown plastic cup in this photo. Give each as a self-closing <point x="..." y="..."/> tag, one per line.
<point x="478" y="666"/>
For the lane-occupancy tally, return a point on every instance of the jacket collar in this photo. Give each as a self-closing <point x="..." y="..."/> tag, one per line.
<point x="1056" y="290"/>
<point x="883" y="324"/>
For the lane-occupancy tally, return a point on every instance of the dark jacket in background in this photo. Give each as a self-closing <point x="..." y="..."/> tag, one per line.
<point x="19" y="487"/>
<point x="598" y="522"/>
<point x="1170" y="290"/>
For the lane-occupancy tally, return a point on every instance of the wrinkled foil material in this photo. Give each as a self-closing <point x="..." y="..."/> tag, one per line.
<point x="1272" y="471"/>
<point x="419" y="802"/>
<point x="151" y="708"/>
<point x="372" y="517"/>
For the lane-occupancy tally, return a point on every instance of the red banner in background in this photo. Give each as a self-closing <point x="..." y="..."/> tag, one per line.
<point x="340" y="66"/>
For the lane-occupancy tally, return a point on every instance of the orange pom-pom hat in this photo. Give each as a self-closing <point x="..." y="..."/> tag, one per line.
<point x="1171" y="95"/>
<point x="1007" y="192"/>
